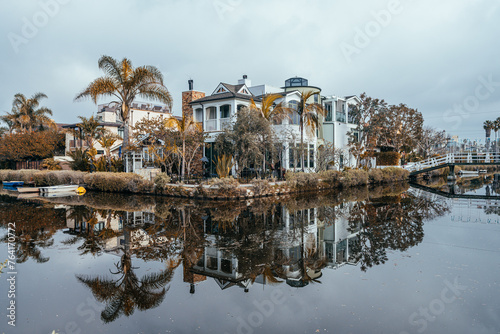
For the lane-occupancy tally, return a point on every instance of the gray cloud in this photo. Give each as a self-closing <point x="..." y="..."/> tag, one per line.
<point x="429" y="55"/>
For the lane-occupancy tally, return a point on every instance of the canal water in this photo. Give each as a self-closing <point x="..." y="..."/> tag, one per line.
<point x="396" y="259"/>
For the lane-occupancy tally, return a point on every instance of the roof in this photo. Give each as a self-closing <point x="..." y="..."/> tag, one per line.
<point x="75" y="125"/>
<point x="231" y="94"/>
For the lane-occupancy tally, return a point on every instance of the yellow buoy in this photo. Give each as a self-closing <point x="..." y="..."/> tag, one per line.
<point x="81" y="190"/>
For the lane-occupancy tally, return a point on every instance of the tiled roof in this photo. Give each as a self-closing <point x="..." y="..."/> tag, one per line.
<point x="233" y="89"/>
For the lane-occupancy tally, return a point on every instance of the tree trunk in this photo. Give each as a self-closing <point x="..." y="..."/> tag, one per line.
<point x="183" y="156"/>
<point x="302" y="144"/>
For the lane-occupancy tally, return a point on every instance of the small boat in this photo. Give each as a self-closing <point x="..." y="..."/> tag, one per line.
<point x="28" y="190"/>
<point x="59" y="194"/>
<point x="13" y="183"/>
<point x="60" y="188"/>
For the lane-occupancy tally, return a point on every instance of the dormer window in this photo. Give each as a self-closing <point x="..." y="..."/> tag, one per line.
<point x="244" y="91"/>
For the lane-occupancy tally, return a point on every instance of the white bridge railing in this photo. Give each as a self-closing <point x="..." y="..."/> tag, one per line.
<point x="453" y="158"/>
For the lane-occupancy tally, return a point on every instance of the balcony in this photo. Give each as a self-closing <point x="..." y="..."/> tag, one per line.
<point x="340" y="117"/>
<point x="211" y="125"/>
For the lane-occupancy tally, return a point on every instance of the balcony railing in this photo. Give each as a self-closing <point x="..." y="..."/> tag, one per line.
<point x="340" y="117"/>
<point x="211" y="125"/>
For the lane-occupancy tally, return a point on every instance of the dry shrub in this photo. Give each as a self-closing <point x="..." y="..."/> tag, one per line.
<point x="376" y="176"/>
<point x="162" y="180"/>
<point x="301" y="181"/>
<point x="260" y="187"/>
<point x="354" y="177"/>
<point x="118" y="182"/>
<point x="43" y="178"/>
<point x="393" y="174"/>
<point x="331" y="177"/>
<point x="226" y="187"/>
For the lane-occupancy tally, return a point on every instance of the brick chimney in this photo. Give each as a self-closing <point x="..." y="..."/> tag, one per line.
<point x="188" y="97"/>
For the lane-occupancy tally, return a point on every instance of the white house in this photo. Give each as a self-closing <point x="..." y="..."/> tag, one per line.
<point x="337" y="123"/>
<point x="215" y="111"/>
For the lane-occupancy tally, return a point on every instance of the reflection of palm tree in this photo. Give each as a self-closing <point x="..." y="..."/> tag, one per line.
<point x="28" y="246"/>
<point x="128" y="292"/>
<point x="92" y="243"/>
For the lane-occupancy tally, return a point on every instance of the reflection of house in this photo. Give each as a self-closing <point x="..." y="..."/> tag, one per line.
<point x="222" y="266"/>
<point x="337" y="241"/>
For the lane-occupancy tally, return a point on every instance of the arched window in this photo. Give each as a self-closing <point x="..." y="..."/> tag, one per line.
<point x="294" y="119"/>
<point x="225" y="111"/>
<point x="198" y="115"/>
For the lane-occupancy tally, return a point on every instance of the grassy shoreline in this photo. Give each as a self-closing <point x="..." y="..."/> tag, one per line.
<point x="214" y="189"/>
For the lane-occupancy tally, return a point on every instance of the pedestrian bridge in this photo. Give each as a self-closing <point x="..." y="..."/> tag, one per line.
<point x="451" y="160"/>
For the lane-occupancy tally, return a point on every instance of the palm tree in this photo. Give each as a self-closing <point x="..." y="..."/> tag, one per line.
<point x="91" y="129"/>
<point x="26" y="116"/>
<point x="488" y="126"/>
<point x="271" y="112"/>
<point x="107" y="140"/>
<point x="124" y="83"/>
<point x="496" y="127"/>
<point x="184" y="126"/>
<point x="308" y="116"/>
<point x="269" y="109"/>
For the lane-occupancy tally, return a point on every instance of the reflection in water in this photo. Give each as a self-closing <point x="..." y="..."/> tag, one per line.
<point x="35" y="226"/>
<point x="287" y="240"/>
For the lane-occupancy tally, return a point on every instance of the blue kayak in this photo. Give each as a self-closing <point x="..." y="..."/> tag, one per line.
<point x="13" y="183"/>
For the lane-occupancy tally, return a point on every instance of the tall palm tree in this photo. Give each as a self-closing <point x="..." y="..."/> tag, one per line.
<point x="184" y="126"/>
<point x="269" y="109"/>
<point x="308" y="116"/>
<point x="124" y="83"/>
<point x="26" y="116"/>
<point x="496" y="127"/>
<point x="488" y="126"/>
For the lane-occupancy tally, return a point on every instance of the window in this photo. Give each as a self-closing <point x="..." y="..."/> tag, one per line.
<point x="311" y="155"/>
<point x="291" y="156"/>
<point x="295" y="116"/>
<point x="211" y="113"/>
<point x="120" y="132"/>
<point x="328" y="108"/>
<point x="240" y="106"/>
<point x="316" y="98"/>
<point x="225" y="111"/>
<point x="198" y="115"/>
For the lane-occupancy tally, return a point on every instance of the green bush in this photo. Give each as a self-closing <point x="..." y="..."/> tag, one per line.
<point x="354" y="177"/>
<point x="331" y="177"/>
<point x="161" y="180"/>
<point x="118" y="182"/>
<point x="301" y="181"/>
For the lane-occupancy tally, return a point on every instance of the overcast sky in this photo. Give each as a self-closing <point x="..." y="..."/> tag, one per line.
<point x="441" y="57"/>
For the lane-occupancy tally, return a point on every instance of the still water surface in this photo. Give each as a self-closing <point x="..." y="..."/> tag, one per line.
<point x="384" y="260"/>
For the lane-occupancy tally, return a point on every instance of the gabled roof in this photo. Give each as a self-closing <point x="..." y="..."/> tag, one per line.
<point x="226" y="91"/>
